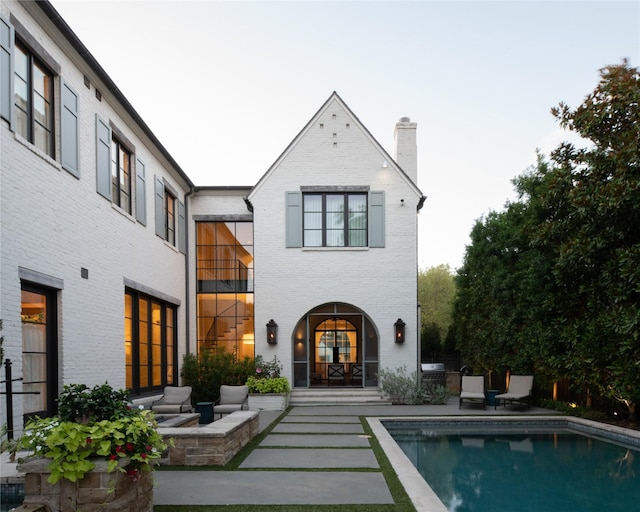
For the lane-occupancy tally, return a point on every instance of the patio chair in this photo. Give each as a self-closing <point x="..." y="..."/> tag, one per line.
<point x="335" y="372"/>
<point x="519" y="390"/>
<point x="356" y="373"/>
<point x="175" y="400"/>
<point x="232" y="398"/>
<point x="472" y="389"/>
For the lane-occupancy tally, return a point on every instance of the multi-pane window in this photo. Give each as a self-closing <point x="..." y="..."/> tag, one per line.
<point x="225" y="287"/>
<point x="335" y="220"/>
<point x="33" y="85"/>
<point x="150" y="342"/>
<point x="120" y="175"/>
<point x="169" y="218"/>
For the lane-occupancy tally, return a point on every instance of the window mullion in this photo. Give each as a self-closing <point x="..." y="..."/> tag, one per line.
<point x="345" y="220"/>
<point x="324" y="220"/>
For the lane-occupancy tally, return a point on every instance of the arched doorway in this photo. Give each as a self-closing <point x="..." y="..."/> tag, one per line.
<point x="335" y="344"/>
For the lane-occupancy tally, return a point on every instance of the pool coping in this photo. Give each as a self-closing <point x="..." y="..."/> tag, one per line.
<point x="423" y="497"/>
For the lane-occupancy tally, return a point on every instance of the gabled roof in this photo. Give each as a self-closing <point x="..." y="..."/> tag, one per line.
<point x="336" y="97"/>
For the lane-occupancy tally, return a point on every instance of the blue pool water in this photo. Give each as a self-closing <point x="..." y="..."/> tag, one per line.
<point x="542" y="470"/>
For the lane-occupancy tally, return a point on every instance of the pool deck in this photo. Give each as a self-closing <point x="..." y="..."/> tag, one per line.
<point x="320" y="455"/>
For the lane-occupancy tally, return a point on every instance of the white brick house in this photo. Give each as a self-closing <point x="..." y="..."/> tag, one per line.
<point x="92" y="252"/>
<point x="113" y="265"/>
<point x="335" y="235"/>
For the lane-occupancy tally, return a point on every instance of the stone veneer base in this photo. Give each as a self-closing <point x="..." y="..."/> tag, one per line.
<point x="213" y="444"/>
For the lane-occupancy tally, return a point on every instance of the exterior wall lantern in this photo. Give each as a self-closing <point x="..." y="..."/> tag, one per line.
<point x="399" y="329"/>
<point x="272" y="332"/>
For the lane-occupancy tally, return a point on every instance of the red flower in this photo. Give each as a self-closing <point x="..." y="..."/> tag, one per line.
<point x="113" y="457"/>
<point x="88" y="440"/>
<point x="143" y="455"/>
<point x="130" y="447"/>
<point x="148" y="448"/>
<point x="119" y="449"/>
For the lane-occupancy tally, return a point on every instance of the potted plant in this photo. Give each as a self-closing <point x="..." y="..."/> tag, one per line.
<point x="96" y="430"/>
<point x="268" y="391"/>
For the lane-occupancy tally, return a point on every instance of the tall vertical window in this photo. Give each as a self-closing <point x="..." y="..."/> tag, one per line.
<point x="335" y="220"/>
<point x="225" y="287"/>
<point x="33" y="86"/>
<point x="39" y="350"/>
<point x="170" y="218"/>
<point x="150" y="342"/>
<point x="120" y="175"/>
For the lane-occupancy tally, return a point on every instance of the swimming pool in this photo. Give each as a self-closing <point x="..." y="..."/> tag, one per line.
<point x="526" y="464"/>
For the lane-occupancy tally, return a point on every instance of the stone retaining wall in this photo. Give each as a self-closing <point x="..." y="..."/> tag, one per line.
<point x="98" y="491"/>
<point x="213" y="444"/>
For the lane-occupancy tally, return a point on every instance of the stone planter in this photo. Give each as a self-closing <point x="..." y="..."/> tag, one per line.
<point x="268" y="401"/>
<point x="98" y="491"/>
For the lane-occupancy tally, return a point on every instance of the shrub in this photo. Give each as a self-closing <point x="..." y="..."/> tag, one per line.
<point x="269" y="385"/>
<point x="207" y="371"/>
<point x="401" y="387"/>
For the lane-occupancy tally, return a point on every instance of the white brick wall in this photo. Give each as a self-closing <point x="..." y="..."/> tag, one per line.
<point x="55" y="224"/>
<point x="382" y="282"/>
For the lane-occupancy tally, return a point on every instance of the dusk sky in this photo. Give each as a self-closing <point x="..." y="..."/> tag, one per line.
<point x="226" y="86"/>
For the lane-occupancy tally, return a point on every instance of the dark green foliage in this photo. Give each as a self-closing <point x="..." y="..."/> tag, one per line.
<point x="206" y="372"/>
<point x="552" y="284"/>
<point x="80" y="404"/>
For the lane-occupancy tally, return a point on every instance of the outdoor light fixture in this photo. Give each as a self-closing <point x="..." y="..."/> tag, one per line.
<point x="399" y="328"/>
<point x="272" y="332"/>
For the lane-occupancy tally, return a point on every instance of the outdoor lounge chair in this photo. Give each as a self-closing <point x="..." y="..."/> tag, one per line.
<point x="472" y="389"/>
<point x="520" y="389"/>
<point x="175" y="400"/>
<point x="232" y="398"/>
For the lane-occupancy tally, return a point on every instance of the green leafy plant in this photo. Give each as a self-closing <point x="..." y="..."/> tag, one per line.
<point x="268" y="385"/>
<point x="267" y="369"/>
<point x="95" y="423"/>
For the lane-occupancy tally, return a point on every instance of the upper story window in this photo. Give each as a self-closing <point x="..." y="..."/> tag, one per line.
<point x="170" y="217"/>
<point x="120" y="175"/>
<point x="335" y="220"/>
<point x="335" y="217"/>
<point x="33" y="93"/>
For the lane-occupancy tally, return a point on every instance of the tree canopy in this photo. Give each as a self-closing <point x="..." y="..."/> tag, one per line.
<point x="436" y="292"/>
<point x="551" y="284"/>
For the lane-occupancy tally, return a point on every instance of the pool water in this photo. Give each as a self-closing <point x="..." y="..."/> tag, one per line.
<point x="544" y="471"/>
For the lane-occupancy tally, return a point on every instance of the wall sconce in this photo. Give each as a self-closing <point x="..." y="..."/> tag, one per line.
<point x="399" y="328"/>
<point x="272" y="332"/>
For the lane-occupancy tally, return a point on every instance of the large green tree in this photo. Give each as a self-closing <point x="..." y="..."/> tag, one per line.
<point x="436" y="292"/>
<point x="552" y="284"/>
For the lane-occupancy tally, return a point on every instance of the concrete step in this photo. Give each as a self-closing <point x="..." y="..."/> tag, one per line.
<point x="336" y="396"/>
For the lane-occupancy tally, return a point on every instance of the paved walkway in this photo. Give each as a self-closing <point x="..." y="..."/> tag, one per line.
<point x="280" y="470"/>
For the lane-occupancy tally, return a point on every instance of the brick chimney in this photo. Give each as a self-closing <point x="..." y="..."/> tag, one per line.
<point x="406" y="147"/>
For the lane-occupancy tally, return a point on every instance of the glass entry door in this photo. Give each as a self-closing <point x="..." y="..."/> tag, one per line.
<point x="39" y="351"/>
<point x="335" y="351"/>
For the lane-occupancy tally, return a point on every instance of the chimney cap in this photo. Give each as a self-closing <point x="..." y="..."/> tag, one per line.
<point x="405" y="120"/>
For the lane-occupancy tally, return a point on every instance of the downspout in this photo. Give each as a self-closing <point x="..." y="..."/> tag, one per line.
<point x="419" y="322"/>
<point x="187" y="323"/>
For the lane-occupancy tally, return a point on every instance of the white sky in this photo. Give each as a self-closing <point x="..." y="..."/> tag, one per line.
<point x="226" y="86"/>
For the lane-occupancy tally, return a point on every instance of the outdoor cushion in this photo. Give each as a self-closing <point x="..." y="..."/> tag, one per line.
<point x="232" y="398"/>
<point x="472" y="388"/>
<point x="520" y="388"/>
<point x="176" y="400"/>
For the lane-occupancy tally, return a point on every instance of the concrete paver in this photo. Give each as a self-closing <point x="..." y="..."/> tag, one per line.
<point x="310" y="458"/>
<point x="320" y="419"/>
<point x="316" y="441"/>
<point x="269" y="488"/>
<point x="318" y="428"/>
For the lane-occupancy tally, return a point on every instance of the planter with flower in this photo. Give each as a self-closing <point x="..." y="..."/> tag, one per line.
<point x="98" y="449"/>
<point x="268" y="391"/>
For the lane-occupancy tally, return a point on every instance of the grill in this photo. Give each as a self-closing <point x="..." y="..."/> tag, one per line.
<point x="434" y="374"/>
